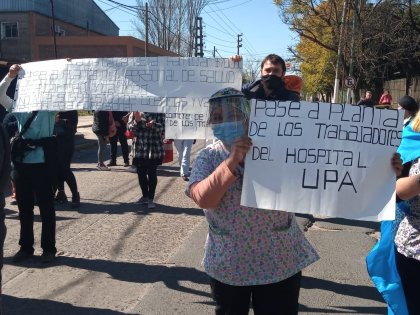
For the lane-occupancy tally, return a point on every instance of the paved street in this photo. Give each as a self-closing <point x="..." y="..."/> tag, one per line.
<point x="118" y="257"/>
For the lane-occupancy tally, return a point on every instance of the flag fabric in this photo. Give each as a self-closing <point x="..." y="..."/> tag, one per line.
<point x="380" y="262"/>
<point x="382" y="269"/>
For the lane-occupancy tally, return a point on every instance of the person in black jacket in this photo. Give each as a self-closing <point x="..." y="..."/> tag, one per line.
<point x="11" y="125"/>
<point x="367" y="101"/>
<point x="4" y="178"/>
<point x="100" y="127"/>
<point x="271" y="85"/>
<point x="120" y="123"/>
<point x="65" y="129"/>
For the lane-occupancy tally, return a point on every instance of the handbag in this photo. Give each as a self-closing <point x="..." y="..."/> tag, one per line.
<point x="18" y="145"/>
<point x="112" y="128"/>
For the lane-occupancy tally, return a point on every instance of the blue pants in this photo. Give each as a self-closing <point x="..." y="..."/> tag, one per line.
<point x="183" y="147"/>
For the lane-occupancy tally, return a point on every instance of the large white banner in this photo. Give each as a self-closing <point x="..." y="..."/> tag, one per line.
<point x="171" y="85"/>
<point x="324" y="159"/>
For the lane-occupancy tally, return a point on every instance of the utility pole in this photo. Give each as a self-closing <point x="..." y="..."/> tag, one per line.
<point x="350" y="91"/>
<point x="239" y="42"/>
<point x="214" y="51"/>
<point x="53" y="26"/>
<point x="199" y="37"/>
<point x="338" y="65"/>
<point x="146" y="43"/>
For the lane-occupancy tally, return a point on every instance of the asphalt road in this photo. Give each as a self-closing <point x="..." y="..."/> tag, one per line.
<point x="118" y="257"/>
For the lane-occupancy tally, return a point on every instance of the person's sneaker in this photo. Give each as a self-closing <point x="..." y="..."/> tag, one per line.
<point x="151" y="204"/>
<point x="102" y="167"/>
<point x="186" y="178"/>
<point x="112" y="163"/>
<point x="61" y="197"/>
<point x="47" y="257"/>
<point x="143" y="201"/>
<point x="126" y="164"/>
<point x="132" y="169"/>
<point x="75" y="200"/>
<point x="22" y="255"/>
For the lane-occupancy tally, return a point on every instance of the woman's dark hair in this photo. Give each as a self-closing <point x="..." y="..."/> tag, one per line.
<point x="276" y="60"/>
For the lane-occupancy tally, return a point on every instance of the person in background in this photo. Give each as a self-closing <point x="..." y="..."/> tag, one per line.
<point x="386" y="98"/>
<point x="100" y="128"/>
<point x="183" y="148"/>
<point x="410" y="106"/>
<point x="149" y="129"/>
<point x="120" y="122"/>
<point x="273" y="83"/>
<point x="251" y="255"/>
<point x="4" y="178"/>
<point x="407" y="236"/>
<point x="367" y="101"/>
<point x="65" y="129"/>
<point x="11" y="125"/>
<point x="32" y="177"/>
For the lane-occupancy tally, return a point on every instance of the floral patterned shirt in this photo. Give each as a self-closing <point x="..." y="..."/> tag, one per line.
<point x="248" y="246"/>
<point x="407" y="239"/>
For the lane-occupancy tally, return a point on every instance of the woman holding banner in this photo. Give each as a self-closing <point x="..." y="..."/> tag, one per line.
<point x="407" y="238"/>
<point x="249" y="252"/>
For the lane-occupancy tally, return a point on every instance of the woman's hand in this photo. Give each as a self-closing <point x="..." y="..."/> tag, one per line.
<point x="396" y="163"/>
<point x="150" y="123"/>
<point x="238" y="150"/>
<point x="14" y="70"/>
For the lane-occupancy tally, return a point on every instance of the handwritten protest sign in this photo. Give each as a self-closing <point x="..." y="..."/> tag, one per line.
<point x="325" y="159"/>
<point x="172" y="85"/>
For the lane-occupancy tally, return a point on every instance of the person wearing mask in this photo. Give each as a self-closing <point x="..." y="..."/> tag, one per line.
<point x="120" y="119"/>
<point x="273" y="84"/>
<point x="65" y="129"/>
<point x="251" y="255"/>
<point x="149" y="129"/>
<point x="31" y="174"/>
<point x="367" y="101"/>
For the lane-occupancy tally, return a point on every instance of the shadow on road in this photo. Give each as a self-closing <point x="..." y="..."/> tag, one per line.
<point x="15" y="305"/>
<point x="358" y="291"/>
<point x="90" y="206"/>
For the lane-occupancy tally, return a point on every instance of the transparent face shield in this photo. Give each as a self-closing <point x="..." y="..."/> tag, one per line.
<point x="228" y="118"/>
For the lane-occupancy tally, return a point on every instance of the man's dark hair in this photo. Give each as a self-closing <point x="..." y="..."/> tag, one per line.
<point x="276" y="60"/>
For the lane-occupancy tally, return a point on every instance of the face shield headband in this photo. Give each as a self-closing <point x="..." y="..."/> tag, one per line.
<point x="227" y="118"/>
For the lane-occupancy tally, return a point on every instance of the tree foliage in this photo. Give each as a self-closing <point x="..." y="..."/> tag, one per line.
<point x="171" y="23"/>
<point x="380" y="40"/>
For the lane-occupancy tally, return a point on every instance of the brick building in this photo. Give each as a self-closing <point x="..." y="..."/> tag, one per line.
<point x="81" y="29"/>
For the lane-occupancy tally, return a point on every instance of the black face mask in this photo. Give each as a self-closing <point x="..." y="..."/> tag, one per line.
<point x="273" y="82"/>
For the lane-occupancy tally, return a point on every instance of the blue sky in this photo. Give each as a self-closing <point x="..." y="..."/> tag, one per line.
<point x="258" y="21"/>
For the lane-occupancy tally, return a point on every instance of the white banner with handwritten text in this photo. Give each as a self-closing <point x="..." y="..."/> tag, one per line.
<point x="171" y="85"/>
<point x="324" y="159"/>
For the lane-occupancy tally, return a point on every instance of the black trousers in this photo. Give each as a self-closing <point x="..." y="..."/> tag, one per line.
<point x="409" y="270"/>
<point x="147" y="175"/>
<point x="65" y="148"/>
<point x="121" y="137"/>
<point x="32" y="181"/>
<point x="269" y="299"/>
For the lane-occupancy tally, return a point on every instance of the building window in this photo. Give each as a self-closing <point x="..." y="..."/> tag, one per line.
<point x="9" y="30"/>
